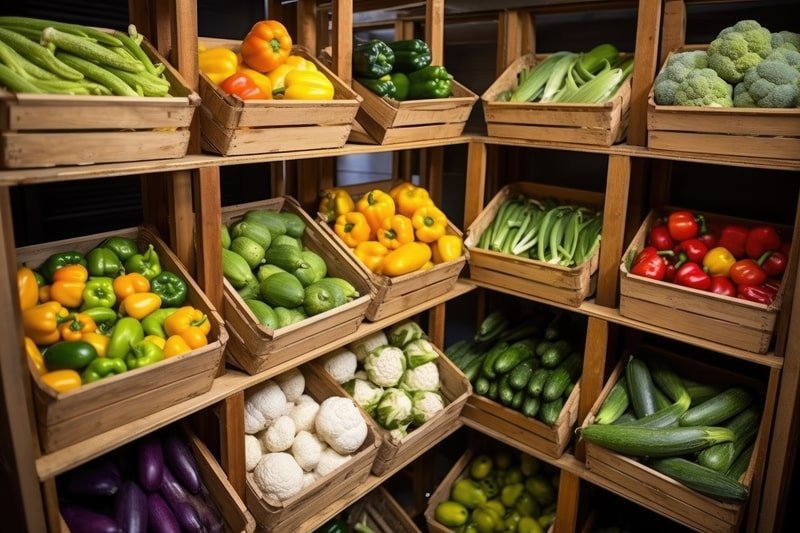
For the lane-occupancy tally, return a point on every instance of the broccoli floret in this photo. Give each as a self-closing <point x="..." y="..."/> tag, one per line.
<point x="674" y="72"/>
<point x="770" y="84"/>
<point x="786" y="39"/>
<point x="786" y="55"/>
<point x="739" y="48"/>
<point x="703" y="88"/>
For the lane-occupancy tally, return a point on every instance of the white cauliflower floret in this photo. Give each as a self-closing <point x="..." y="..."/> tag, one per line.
<point x="341" y="365"/>
<point x="252" y="452"/>
<point x="292" y="383"/>
<point x="308" y="479"/>
<point x="263" y="404"/>
<point x="424" y="377"/>
<point x="340" y="424"/>
<point x="362" y="347"/>
<point x="425" y="405"/>
<point x="304" y="398"/>
<point x="280" y="435"/>
<point x="394" y="409"/>
<point x="365" y="393"/>
<point x="306" y="449"/>
<point x="304" y="414"/>
<point x="278" y="475"/>
<point x="287" y="408"/>
<point x="385" y="365"/>
<point x="361" y="374"/>
<point x="329" y="461"/>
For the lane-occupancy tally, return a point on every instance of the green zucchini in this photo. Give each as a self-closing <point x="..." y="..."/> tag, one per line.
<point x="702" y="479"/>
<point x="235" y="269"/>
<point x="295" y="227"/>
<point x="251" y="290"/>
<point x="567" y="372"/>
<point x="505" y="393"/>
<point x="668" y="381"/>
<point x="255" y="231"/>
<point x="655" y="442"/>
<point x="481" y="385"/>
<point x="150" y="85"/>
<point x="488" y="363"/>
<point x="530" y="406"/>
<point x="513" y="355"/>
<point x="700" y="392"/>
<point x="537" y="381"/>
<point x="745" y="427"/>
<point x="472" y="370"/>
<point x="285" y="256"/>
<point x="264" y="313"/>
<point x="282" y="290"/>
<point x="615" y="404"/>
<point x="75" y="29"/>
<point x="135" y="49"/>
<point x="662" y="402"/>
<point x="16" y="82"/>
<point x="550" y="411"/>
<point x="265" y="271"/>
<point x="557" y="352"/>
<point x="89" y="50"/>
<point x="626" y="417"/>
<point x="739" y="466"/>
<point x="521" y="374"/>
<point x="641" y="388"/>
<point x="721" y="407"/>
<point x="246" y="247"/>
<point x="664" y="418"/>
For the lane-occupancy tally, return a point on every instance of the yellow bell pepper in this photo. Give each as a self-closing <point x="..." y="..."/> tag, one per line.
<point x="35" y="356"/>
<point x="190" y="324"/>
<point x="395" y="191"/>
<point x="174" y="346"/>
<point x="408" y="258"/>
<point x="129" y="284"/>
<point x="44" y="294"/>
<point x="140" y="304"/>
<point x="77" y="326"/>
<point x="155" y="339"/>
<point x="41" y="322"/>
<point x="335" y="203"/>
<point x="307" y="85"/>
<point x="447" y="248"/>
<point x="261" y="80"/>
<point x="98" y="341"/>
<point x="27" y="287"/>
<point x="218" y="63"/>
<point x="429" y="223"/>
<point x="377" y="206"/>
<point x="352" y="228"/>
<point x="396" y="231"/>
<point x="718" y="261"/>
<point x="62" y="380"/>
<point x="371" y="253"/>
<point x="68" y="285"/>
<point x="427" y="266"/>
<point x="411" y="199"/>
<point x="300" y="63"/>
<point x="277" y="77"/>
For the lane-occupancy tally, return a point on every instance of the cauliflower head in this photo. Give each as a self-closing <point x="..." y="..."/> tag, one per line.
<point x="329" y="460"/>
<point x="394" y="409"/>
<point x="425" y="405"/>
<point x="341" y="365"/>
<point x="739" y="48"/>
<point x="280" y="435"/>
<point x="786" y="39"/>
<point x="307" y="449"/>
<point x="770" y="84"/>
<point x="365" y="393"/>
<point x="252" y="452"/>
<point x="703" y="88"/>
<point x="263" y="405"/>
<point x="278" y="475"/>
<point x="385" y="365"/>
<point x="292" y="383"/>
<point x="303" y="414"/>
<point x="424" y="377"/>
<point x="674" y="72"/>
<point x="340" y="424"/>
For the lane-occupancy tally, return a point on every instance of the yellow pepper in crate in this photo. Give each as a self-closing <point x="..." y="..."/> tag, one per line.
<point x="371" y="253"/>
<point x="98" y="341"/>
<point x="27" y="287"/>
<point x="429" y="223"/>
<point x="396" y="231"/>
<point x="377" y="206"/>
<point x="447" y="248"/>
<point x="335" y="203"/>
<point x="62" y="380"/>
<point x="307" y="85"/>
<point x="140" y="304"/>
<point x="300" y="63"/>
<point x="400" y="187"/>
<point x="75" y="328"/>
<point x="190" y="324"/>
<point x="266" y="46"/>
<point x="408" y="258"/>
<point x="352" y="228"/>
<point x="35" y="356"/>
<point x="175" y="346"/>
<point x="411" y="199"/>
<point x="218" y="63"/>
<point x="68" y="285"/>
<point x="41" y="322"/>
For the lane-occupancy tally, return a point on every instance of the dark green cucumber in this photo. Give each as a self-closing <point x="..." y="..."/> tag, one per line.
<point x="516" y="401"/>
<point x="521" y="374"/>
<point x="566" y="373"/>
<point x="455" y="350"/>
<point x="530" y="406"/>
<point x="745" y="427"/>
<point x="557" y="352"/>
<point x="481" y="386"/>
<point x="537" y="381"/>
<point x="542" y="347"/>
<point x="473" y="353"/>
<point x="655" y="442"/>
<point x="640" y="388"/>
<point x="487" y="369"/>
<point x="615" y="404"/>
<point x="663" y="418"/>
<point x="492" y="327"/>
<point x="721" y="407"/>
<point x="513" y="355"/>
<point x="702" y="479"/>
<point x="472" y="370"/>
<point x="739" y="466"/>
<point x="553" y="329"/>
<point x="505" y="393"/>
<point x="492" y="392"/>
<point x="550" y="411"/>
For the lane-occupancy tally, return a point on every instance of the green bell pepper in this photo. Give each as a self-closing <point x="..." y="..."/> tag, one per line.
<point x="103" y="367"/>
<point x="410" y="55"/>
<point x="468" y="493"/>
<point x="103" y="262"/>
<point x="99" y="292"/>
<point x="170" y="287"/>
<point x="153" y="323"/>
<point x="487" y="519"/>
<point x="146" y="264"/>
<point x="382" y="86"/>
<point x="432" y="81"/>
<point x="401" y="85"/>
<point x="104" y="318"/>
<point x="372" y="59"/>
<point x="128" y="332"/>
<point x="123" y="247"/>
<point x="40" y="281"/>
<point x="60" y="260"/>
<point x="144" y="353"/>
<point x="526" y="505"/>
<point x="69" y="354"/>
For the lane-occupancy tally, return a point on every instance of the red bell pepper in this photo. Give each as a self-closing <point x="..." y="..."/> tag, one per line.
<point x="708" y="236"/>
<point x="243" y="86"/>
<point x="733" y="238"/>
<point x="692" y="275"/>
<point x="694" y="249"/>
<point x="659" y="238"/>
<point x="722" y="285"/>
<point x="761" y="239"/>
<point x="683" y="225"/>
<point x="786" y="248"/>
<point x="763" y="294"/>
<point x="649" y="264"/>
<point x="775" y="265"/>
<point x="748" y="271"/>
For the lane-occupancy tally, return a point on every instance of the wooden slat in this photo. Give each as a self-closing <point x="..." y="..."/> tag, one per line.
<point x="232" y="440"/>
<point x="307" y="24"/>
<point x="343" y="39"/>
<point x="434" y="30"/>
<point x="436" y="324"/>
<point x="207" y="201"/>
<point x="181" y="216"/>
<point x="508" y="39"/>
<point x="593" y="375"/>
<point x="646" y="62"/>
<point x="475" y="182"/>
<point x="614" y="216"/>
<point x="567" y="507"/>
<point x="673" y="29"/>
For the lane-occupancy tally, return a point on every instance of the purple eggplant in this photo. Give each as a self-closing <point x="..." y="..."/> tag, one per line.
<point x="159" y="516"/>
<point x="178" y="500"/>
<point x="151" y="463"/>
<point x="180" y="460"/>
<point x="97" y="478"/>
<point x="82" y="520"/>
<point x="208" y="512"/>
<point x="130" y="508"/>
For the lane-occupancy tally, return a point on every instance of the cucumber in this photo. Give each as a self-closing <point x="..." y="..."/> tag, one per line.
<point x="253" y="230"/>
<point x="481" y="386"/>
<point x="250" y="290"/>
<point x="530" y="406"/>
<point x="615" y="404"/>
<point x="492" y="327"/>
<point x="455" y="350"/>
<point x="662" y="402"/>
<point x="287" y="317"/>
<point x="561" y="377"/>
<point x="265" y="271"/>
<point x="226" y="237"/>
<point x="721" y="407"/>
<point x="488" y="363"/>
<point x="513" y="355"/>
<point x="505" y="393"/>
<point x="350" y="292"/>
<point x="516" y="402"/>
<point x="668" y="381"/>
<point x="663" y="418"/>
<point x="282" y="290"/>
<point x="528" y="329"/>
<point x="745" y="427"/>
<point x="89" y="50"/>
<point x="320" y="297"/>
<point x="316" y="263"/>
<point x="550" y="411"/>
<point x="739" y="466"/>
<point x="702" y="479"/>
<point x="492" y="392"/>
<point x="235" y="269"/>
<point x="543" y="347"/>
<point x="295" y="227"/>
<point x="270" y="219"/>
<point x="95" y="72"/>
<point x="288" y="241"/>
<point x="472" y="370"/>
<point x="655" y="442"/>
<point x="624" y="419"/>
<point x="640" y="388"/>
<point x="521" y="374"/>
<point x="537" y="381"/>
<point x="557" y="352"/>
<point x="285" y="256"/>
<point x="700" y="392"/>
<point x="264" y="313"/>
<point x="246" y="247"/>
<point x="553" y="331"/>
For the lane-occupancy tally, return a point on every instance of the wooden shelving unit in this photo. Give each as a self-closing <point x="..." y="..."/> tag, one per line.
<point x="193" y="187"/>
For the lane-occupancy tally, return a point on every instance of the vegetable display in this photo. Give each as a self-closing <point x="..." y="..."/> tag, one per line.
<point x="736" y="261"/>
<point x="111" y="311"/>
<point x="502" y="491"/>
<point x="392" y="233"/>
<point x="592" y="77"/>
<point x="48" y="57"/>
<point x="745" y="66"/>
<point x="530" y="367"/>
<point x="265" y="68"/>
<point x="566" y="235"/>
<point x="700" y="437"/>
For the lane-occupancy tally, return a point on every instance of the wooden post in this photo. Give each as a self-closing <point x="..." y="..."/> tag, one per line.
<point x="436" y="325"/>
<point x="647" y="31"/>
<point x="307" y="25"/>
<point x="434" y="30"/>
<point x="673" y="29"/>
<point x="343" y="39"/>
<point x="231" y="440"/>
<point x="569" y="488"/>
<point x="208" y="213"/>
<point x="593" y="373"/>
<point x="508" y="39"/>
<point x="433" y="170"/>
<point x="475" y="182"/>
<point x="614" y="215"/>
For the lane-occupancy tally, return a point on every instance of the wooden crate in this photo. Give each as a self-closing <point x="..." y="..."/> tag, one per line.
<point x="723" y="319"/>
<point x="388" y="121"/>
<point x="383" y="513"/>
<point x="232" y="126"/>
<point x="289" y="515"/>
<point x="65" y="418"/>
<point x="566" y="285"/>
<point x="661" y="493"/>
<point x="727" y="131"/>
<point x="44" y="130"/>
<point x="598" y="124"/>
<point x="456" y="389"/>
<point x="254" y="347"/>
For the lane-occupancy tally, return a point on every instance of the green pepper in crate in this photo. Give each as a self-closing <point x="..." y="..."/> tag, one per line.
<point x="382" y="86"/>
<point x="432" y="81"/>
<point x="153" y="324"/>
<point x="103" y="367"/>
<point x="69" y="354"/>
<point x="372" y="59"/>
<point x="401" y="84"/>
<point x="123" y="247"/>
<point x="127" y="332"/>
<point x="468" y="493"/>
<point x="103" y="262"/>
<point x="144" y="353"/>
<point x="60" y="260"/>
<point x="410" y="55"/>
<point x="146" y="264"/>
<point x="170" y="287"/>
<point x="104" y="318"/>
<point x="99" y="292"/>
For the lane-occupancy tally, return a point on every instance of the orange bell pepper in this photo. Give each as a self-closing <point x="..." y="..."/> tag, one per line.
<point x="44" y="294"/>
<point x="75" y="328"/>
<point x="68" y="285"/>
<point x="190" y="324"/>
<point x="217" y="63"/>
<point x="400" y="187"/>
<point x="129" y="284"/>
<point x="377" y="206"/>
<point x="352" y="228"/>
<point x="41" y="322"/>
<point x="27" y="287"/>
<point x="140" y="304"/>
<point x="429" y="223"/>
<point x="408" y="258"/>
<point x="266" y="46"/>
<point x="98" y="341"/>
<point x="396" y="231"/>
<point x="447" y="248"/>
<point x="62" y="380"/>
<point x="35" y="356"/>
<point x="175" y="345"/>
<point x="371" y="253"/>
<point x="411" y="199"/>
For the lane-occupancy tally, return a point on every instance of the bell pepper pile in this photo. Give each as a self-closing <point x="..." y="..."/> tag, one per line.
<point x="265" y="67"/>
<point x="735" y="261"/>
<point x="393" y="233"/>
<point x="115" y="309"/>
<point x="400" y="70"/>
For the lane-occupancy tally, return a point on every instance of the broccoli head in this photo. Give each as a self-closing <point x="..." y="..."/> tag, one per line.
<point x="739" y="48"/>
<point x="770" y="84"/>
<point x="786" y="55"/>
<point x="703" y="88"/>
<point x="786" y="39"/>
<point x="674" y="72"/>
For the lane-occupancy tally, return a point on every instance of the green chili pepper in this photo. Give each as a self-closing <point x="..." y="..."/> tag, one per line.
<point x="401" y="85"/>
<point x="144" y="353"/>
<point x="123" y="247"/>
<point x="60" y="260"/>
<point x="103" y="262"/>
<point x="170" y="287"/>
<point x="99" y="292"/>
<point x="146" y="264"/>
<point x="382" y="86"/>
<point x="104" y="318"/>
<point x="103" y="367"/>
<point x="127" y="332"/>
<point x="69" y="354"/>
<point x="410" y="55"/>
<point x="153" y="324"/>
<point x="372" y="59"/>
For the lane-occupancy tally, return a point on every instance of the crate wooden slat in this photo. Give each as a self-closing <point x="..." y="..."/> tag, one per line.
<point x="232" y="126"/>
<point x="383" y="513"/>
<point x="255" y="347"/>
<point x="566" y="285"/>
<point x="442" y="492"/>
<point x="289" y="515"/>
<point x="663" y="494"/>
<point x="739" y="131"/>
<point x="67" y="418"/>
<point x="44" y="130"/>
<point x="599" y="124"/>
<point x="723" y="319"/>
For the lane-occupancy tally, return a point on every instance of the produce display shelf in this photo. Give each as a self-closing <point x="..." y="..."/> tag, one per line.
<point x="590" y="308"/>
<point x="52" y="464"/>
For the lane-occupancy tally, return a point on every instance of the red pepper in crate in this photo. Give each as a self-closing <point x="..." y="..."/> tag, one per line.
<point x="692" y="275"/>
<point x="649" y="263"/>
<point x="707" y="236"/>
<point x="763" y="294"/>
<point x="761" y="239"/>
<point x="659" y="238"/>
<point x="722" y="285"/>
<point x="243" y="86"/>
<point x="684" y="225"/>
<point x="786" y="248"/>
<point x="733" y="238"/>
<point x="775" y="265"/>
<point x="694" y="249"/>
<point x="748" y="272"/>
